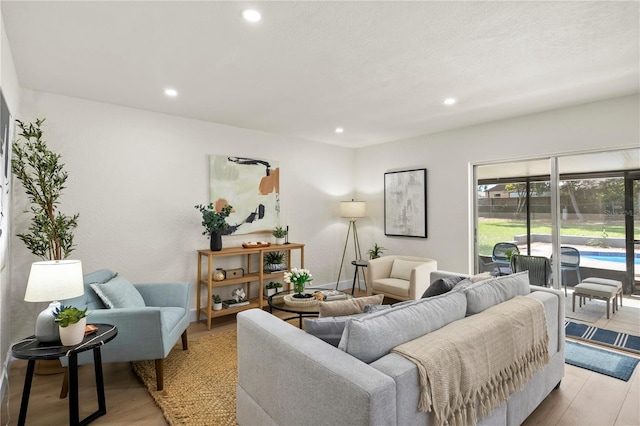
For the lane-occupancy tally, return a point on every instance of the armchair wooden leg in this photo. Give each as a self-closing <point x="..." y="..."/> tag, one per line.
<point x="159" y="374"/>
<point x="64" y="390"/>
<point x="185" y="344"/>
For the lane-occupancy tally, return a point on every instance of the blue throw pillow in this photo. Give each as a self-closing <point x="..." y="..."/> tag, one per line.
<point x="119" y="293"/>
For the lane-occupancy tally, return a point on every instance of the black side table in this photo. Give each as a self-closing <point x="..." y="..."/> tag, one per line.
<point x="32" y="350"/>
<point x="359" y="264"/>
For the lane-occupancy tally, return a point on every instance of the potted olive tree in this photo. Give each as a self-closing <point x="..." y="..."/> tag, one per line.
<point x="214" y="223"/>
<point x="50" y="235"/>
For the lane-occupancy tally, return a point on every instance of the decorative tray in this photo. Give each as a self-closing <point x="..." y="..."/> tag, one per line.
<point x="299" y="303"/>
<point x="256" y="244"/>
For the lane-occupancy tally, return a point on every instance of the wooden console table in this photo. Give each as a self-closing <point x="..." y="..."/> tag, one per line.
<point x="250" y="276"/>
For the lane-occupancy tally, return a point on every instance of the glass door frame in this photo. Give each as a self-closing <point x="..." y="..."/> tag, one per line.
<point x="630" y="217"/>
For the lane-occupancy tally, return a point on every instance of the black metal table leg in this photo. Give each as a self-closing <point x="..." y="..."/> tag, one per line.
<point x="97" y="363"/>
<point x="26" y="391"/>
<point x="74" y="415"/>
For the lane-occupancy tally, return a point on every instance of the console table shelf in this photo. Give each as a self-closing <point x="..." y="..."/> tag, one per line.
<point x="251" y="276"/>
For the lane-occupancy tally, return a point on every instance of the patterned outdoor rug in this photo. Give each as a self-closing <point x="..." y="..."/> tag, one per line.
<point x="599" y="360"/>
<point x="624" y="341"/>
<point x="199" y="384"/>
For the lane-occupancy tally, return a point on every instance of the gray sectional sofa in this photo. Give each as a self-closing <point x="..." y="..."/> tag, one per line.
<point x="289" y="377"/>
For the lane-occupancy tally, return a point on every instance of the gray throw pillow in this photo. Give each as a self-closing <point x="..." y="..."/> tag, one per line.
<point x="441" y="286"/>
<point x="485" y="294"/>
<point x="328" y="329"/>
<point x="375" y="308"/>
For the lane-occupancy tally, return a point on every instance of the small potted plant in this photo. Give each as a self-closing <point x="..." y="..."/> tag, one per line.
<point x="274" y="260"/>
<point x="72" y="322"/>
<point x="217" y="302"/>
<point x="376" y="251"/>
<point x="272" y="288"/>
<point x="279" y="232"/>
<point x="214" y="223"/>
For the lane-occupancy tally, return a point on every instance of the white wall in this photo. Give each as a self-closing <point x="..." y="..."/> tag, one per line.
<point x="10" y="91"/>
<point x="447" y="156"/>
<point x="135" y="177"/>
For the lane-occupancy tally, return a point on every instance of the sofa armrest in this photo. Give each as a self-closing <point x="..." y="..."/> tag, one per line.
<point x="277" y="362"/>
<point x="377" y="269"/>
<point x="420" y="278"/>
<point x="561" y="306"/>
<point x="165" y="294"/>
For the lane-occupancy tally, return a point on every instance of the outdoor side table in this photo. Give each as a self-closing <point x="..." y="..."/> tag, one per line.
<point x="32" y="350"/>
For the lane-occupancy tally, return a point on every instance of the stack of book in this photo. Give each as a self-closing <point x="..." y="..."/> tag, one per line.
<point x="333" y="295"/>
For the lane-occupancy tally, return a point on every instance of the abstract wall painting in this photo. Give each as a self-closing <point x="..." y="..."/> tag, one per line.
<point x="251" y="186"/>
<point x="405" y="203"/>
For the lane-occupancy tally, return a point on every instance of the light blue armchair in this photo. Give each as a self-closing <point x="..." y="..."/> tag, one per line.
<point x="143" y="333"/>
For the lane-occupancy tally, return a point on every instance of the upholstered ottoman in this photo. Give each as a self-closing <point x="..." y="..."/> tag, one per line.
<point x="605" y="281"/>
<point x="595" y="291"/>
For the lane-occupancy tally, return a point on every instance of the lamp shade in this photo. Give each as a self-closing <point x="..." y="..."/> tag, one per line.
<point x="353" y="209"/>
<point x="54" y="280"/>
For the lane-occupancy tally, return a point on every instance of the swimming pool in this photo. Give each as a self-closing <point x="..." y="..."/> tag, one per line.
<point x="609" y="256"/>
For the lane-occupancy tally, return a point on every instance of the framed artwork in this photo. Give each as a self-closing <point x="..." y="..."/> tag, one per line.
<point x="6" y="135"/>
<point x="405" y="203"/>
<point x="251" y="186"/>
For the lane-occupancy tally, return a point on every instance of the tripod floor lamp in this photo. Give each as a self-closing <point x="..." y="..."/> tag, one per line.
<point x="351" y="209"/>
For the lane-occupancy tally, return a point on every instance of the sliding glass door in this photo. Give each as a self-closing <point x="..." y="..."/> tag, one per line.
<point x="595" y="221"/>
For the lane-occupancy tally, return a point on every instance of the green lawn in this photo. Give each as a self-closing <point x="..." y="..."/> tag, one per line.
<point x="492" y="231"/>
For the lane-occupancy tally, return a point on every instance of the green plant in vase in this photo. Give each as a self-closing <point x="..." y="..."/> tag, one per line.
<point x="376" y="251"/>
<point x="299" y="278"/>
<point x="274" y="260"/>
<point x="72" y="322"/>
<point x="214" y="223"/>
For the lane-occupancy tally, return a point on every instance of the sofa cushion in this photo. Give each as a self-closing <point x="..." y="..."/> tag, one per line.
<point x="392" y="286"/>
<point x="373" y="336"/>
<point x="485" y="294"/>
<point x="338" y="308"/>
<point x="441" y="286"/>
<point x="328" y="329"/>
<point x="119" y="293"/>
<point x="401" y="269"/>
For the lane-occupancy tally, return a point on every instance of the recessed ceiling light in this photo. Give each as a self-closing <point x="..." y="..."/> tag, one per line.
<point x="251" y="15"/>
<point x="171" y="92"/>
<point x="339" y="130"/>
<point x="450" y="101"/>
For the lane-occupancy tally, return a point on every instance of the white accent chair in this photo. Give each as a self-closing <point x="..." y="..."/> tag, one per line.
<point x="400" y="277"/>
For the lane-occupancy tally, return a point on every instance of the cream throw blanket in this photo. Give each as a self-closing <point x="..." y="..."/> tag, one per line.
<point x="477" y="362"/>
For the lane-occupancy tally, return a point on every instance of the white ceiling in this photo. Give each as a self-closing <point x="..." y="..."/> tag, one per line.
<point x="379" y="69"/>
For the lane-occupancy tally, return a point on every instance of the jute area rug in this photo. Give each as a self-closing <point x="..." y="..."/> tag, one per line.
<point x="199" y="384"/>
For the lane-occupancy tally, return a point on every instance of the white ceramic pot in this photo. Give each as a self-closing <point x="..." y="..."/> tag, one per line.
<point x="73" y="334"/>
<point x="217" y="306"/>
<point x="280" y="241"/>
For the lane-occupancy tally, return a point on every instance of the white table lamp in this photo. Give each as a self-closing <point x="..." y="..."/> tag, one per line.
<point x="352" y="210"/>
<point x="50" y="281"/>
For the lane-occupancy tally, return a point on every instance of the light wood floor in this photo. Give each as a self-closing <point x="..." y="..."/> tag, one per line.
<point x="584" y="398"/>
